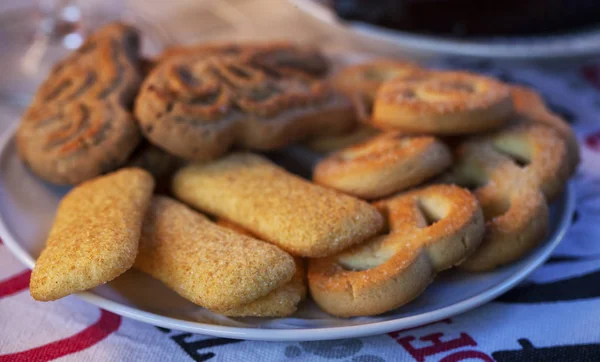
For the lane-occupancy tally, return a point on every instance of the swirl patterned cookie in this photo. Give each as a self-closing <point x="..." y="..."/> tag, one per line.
<point x="431" y="229"/>
<point x="383" y="165"/>
<point x="443" y="103"/>
<point x="198" y="107"/>
<point x="282" y="56"/>
<point x="78" y="125"/>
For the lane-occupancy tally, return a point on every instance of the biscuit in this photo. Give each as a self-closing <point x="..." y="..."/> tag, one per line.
<point x="95" y="234"/>
<point x="513" y="172"/>
<point x="198" y="107"/>
<point x="280" y="56"/>
<point x="360" y="82"/>
<point x="327" y="144"/>
<point x="431" y="229"/>
<point x="530" y="108"/>
<point x="383" y="165"/>
<point x="79" y="125"/>
<point x="442" y="103"/>
<point x="302" y="218"/>
<point x="211" y="266"/>
<point x="366" y="78"/>
<point x="281" y="302"/>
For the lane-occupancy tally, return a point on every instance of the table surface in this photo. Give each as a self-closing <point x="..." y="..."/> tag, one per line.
<point x="553" y="316"/>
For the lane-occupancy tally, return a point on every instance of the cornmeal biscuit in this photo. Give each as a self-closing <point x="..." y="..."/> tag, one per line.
<point x="431" y="229"/>
<point x="211" y="266"/>
<point x="79" y="124"/>
<point x="302" y="218"/>
<point x="383" y="165"/>
<point x="281" y="302"/>
<point x="95" y="234"/>
<point x="198" y="107"/>
<point x="442" y="103"/>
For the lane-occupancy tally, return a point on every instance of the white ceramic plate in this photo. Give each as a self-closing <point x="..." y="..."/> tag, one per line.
<point x="568" y="45"/>
<point x="27" y="208"/>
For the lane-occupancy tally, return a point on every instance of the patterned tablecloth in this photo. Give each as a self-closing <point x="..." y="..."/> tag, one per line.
<point x="553" y="316"/>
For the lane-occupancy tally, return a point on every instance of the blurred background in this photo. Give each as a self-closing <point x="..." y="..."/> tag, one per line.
<point x="552" y="33"/>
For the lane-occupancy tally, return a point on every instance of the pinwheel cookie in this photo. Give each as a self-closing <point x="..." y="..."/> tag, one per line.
<point x="198" y="107"/>
<point x="383" y="165"/>
<point x="78" y="125"/>
<point x="430" y="229"/>
<point x="440" y="102"/>
<point x="95" y="234"/>
<point x="279" y="57"/>
<point x="513" y="171"/>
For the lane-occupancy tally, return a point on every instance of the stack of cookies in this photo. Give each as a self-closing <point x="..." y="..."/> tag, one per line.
<point x="419" y="171"/>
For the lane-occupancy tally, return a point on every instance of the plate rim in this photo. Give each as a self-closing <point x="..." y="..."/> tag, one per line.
<point x="560" y="45"/>
<point x="304" y="334"/>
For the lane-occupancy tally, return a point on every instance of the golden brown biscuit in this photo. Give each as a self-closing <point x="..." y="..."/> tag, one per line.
<point x="383" y="165"/>
<point x="431" y="229"/>
<point x="79" y="124"/>
<point x="211" y="266"/>
<point x="366" y="78"/>
<point x="281" y="302"/>
<point x="302" y="218"/>
<point x="530" y="108"/>
<point x="95" y="234"/>
<point x="360" y="82"/>
<point x="513" y="172"/>
<point x="442" y="103"/>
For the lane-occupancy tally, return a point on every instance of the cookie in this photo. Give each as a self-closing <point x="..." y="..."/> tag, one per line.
<point x="281" y="302"/>
<point x="513" y="172"/>
<point x="198" y="107"/>
<point x="383" y="165"/>
<point x="79" y="124"/>
<point x="327" y="144"/>
<point x="95" y="234"/>
<point x="302" y="218"/>
<point x="280" y="57"/>
<point x="430" y="229"/>
<point x="530" y="108"/>
<point x="366" y="78"/>
<point x="442" y="103"/>
<point x="211" y="266"/>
